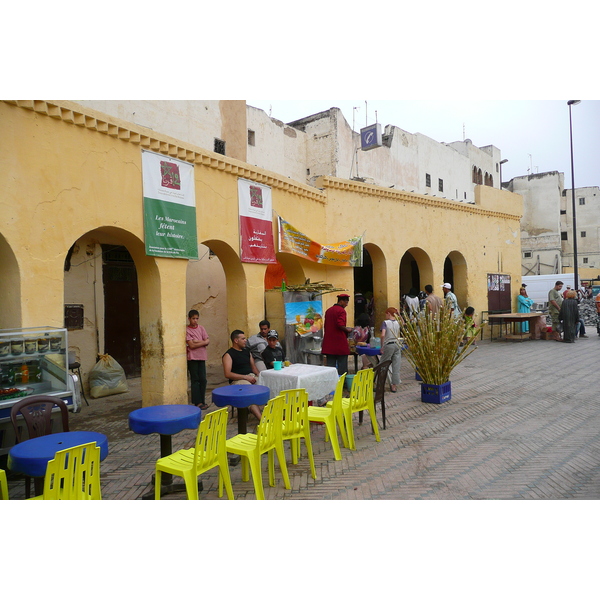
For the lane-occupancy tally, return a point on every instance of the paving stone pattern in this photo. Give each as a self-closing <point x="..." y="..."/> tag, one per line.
<point x="523" y="423"/>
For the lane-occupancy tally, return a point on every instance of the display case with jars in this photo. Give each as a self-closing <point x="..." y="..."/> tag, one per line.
<point x="34" y="361"/>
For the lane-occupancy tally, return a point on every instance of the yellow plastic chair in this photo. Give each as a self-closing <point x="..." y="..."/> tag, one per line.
<point x="73" y="474"/>
<point x="296" y="425"/>
<point x="268" y="438"/>
<point x="331" y="415"/>
<point x="3" y="485"/>
<point x="361" y="398"/>
<point x="208" y="452"/>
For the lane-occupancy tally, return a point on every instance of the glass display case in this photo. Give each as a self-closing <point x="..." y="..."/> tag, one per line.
<point x="33" y="361"/>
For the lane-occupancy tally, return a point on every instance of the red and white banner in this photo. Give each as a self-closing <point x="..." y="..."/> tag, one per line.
<point x="256" y="223"/>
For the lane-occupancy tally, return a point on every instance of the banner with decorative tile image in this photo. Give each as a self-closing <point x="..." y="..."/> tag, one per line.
<point x="169" y="206"/>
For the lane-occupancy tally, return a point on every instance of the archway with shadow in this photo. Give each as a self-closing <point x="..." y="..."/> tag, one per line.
<point x="455" y="273"/>
<point x="416" y="271"/>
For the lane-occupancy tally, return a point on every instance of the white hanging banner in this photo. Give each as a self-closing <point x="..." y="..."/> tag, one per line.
<point x="256" y="223"/>
<point x="169" y="206"/>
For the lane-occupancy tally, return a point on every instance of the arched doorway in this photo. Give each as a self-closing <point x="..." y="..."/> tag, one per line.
<point x="10" y="315"/>
<point x="455" y="273"/>
<point x="416" y="271"/>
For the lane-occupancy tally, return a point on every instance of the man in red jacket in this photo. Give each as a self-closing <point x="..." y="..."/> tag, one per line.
<point x="335" y="335"/>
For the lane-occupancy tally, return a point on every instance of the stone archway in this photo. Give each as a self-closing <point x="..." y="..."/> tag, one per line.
<point x="10" y="287"/>
<point x="416" y="270"/>
<point x="455" y="273"/>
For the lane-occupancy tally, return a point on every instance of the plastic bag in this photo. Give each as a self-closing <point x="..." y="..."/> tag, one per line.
<point x="107" y="377"/>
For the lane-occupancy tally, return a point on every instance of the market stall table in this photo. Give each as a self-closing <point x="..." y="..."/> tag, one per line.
<point x="316" y="380"/>
<point x="165" y="420"/>
<point x="31" y="457"/>
<point x="503" y="319"/>
<point x="372" y="353"/>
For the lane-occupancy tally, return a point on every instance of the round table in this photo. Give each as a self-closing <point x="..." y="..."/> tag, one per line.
<point x="166" y="420"/>
<point x="31" y="456"/>
<point x="370" y="352"/>
<point x="241" y="397"/>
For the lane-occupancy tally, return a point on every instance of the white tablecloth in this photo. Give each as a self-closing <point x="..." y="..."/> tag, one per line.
<point x="317" y="381"/>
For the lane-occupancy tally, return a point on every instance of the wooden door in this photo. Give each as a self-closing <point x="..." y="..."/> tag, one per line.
<point x="499" y="297"/>
<point x="121" y="309"/>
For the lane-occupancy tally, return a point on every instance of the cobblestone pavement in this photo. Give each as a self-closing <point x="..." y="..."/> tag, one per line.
<point x="523" y="423"/>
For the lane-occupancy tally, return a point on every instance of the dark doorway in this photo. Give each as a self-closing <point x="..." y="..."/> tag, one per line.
<point x="121" y="309"/>
<point x="363" y="276"/>
<point x="449" y="272"/>
<point x="409" y="274"/>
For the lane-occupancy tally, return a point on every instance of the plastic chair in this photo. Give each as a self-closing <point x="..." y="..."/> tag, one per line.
<point x="268" y="438"/>
<point x="3" y="485"/>
<point x="361" y="398"/>
<point x="296" y="425"/>
<point x="208" y="452"/>
<point x="380" y="373"/>
<point x="73" y="474"/>
<point x="332" y="416"/>
<point x="37" y="414"/>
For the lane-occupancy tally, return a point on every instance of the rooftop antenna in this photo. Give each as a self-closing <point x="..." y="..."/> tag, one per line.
<point x="463" y="132"/>
<point x="366" y="118"/>
<point x="530" y="170"/>
<point x="376" y="117"/>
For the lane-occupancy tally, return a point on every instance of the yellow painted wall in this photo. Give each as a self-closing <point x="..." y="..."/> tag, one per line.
<point x="71" y="173"/>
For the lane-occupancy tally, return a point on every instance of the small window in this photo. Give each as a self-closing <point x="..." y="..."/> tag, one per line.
<point x="219" y="146"/>
<point x="585" y="260"/>
<point x="583" y="234"/>
<point x="441" y="185"/>
<point x="251" y="138"/>
<point x="427" y="180"/>
<point x="563" y="212"/>
<point x="527" y="255"/>
<point x="563" y="236"/>
<point x="581" y="201"/>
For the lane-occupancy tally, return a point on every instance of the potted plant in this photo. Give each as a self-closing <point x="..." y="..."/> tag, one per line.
<point x="435" y="344"/>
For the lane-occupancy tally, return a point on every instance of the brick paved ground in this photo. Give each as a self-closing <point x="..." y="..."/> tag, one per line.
<point x="523" y="423"/>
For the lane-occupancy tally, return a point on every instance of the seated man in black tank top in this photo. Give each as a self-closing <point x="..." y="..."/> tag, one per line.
<point x="239" y="367"/>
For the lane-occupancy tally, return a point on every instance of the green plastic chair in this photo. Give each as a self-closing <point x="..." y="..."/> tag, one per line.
<point x="208" y="452"/>
<point x="267" y="439"/>
<point x="3" y="485"/>
<point x="296" y="425"/>
<point x="331" y="415"/>
<point x="73" y="474"/>
<point x="361" y="398"/>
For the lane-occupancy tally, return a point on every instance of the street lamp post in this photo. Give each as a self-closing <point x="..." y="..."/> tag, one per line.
<point x="575" y="273"/>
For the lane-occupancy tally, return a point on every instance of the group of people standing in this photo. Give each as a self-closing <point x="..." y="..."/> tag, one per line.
<point x="564" y="313"/>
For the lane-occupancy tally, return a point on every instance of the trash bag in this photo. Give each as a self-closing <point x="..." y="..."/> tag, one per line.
<point x="107" y="377"/>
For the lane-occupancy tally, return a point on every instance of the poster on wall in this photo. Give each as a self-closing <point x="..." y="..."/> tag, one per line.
<point x="305" y="317"/>
<point x="342" y="254"/>
<point x="256" y="223"/>
<point x="169" y="206"/>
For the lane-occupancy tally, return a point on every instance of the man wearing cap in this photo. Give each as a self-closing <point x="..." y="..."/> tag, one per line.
<point x="273" y="351"/>
<point x="335" y="335"/>
<point x="257" y="343"/>
<point x="450" y="300"/>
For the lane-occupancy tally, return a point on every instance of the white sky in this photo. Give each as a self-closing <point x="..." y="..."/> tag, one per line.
<point x="531" y="134"/>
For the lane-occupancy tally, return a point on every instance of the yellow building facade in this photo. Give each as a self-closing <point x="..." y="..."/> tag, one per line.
<point x="72" y="182"/>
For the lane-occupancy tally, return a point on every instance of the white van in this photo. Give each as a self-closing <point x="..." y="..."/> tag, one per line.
<point x="538" y="287"/>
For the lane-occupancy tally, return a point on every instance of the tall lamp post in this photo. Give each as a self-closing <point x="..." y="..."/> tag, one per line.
<point x="575" y="273"/>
